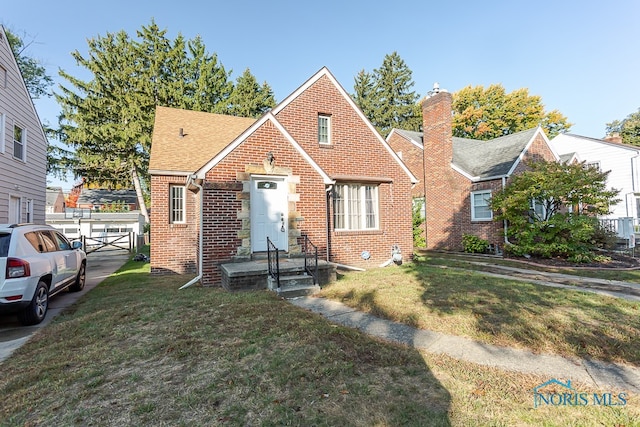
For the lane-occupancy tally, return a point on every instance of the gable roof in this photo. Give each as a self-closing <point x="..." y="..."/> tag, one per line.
<point x="484" y="160"/>
<point x="200" y="173"/>
<point x="203" y="136"/>
<point x="324" y="72"/>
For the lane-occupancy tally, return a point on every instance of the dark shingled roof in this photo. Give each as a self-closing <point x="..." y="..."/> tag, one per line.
<point x="102" y="196"/>
<point x="484" y="159"/>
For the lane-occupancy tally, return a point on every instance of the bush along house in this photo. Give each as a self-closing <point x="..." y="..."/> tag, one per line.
<point x="313" y="168"/>
<point x="458" y="176"/>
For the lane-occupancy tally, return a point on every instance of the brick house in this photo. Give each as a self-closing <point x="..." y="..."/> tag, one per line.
<point x="459" y="175"/>
<point x="312" y="166"/>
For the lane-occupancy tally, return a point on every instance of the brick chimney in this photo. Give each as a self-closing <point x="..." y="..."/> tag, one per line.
<point x="440" y="184"/>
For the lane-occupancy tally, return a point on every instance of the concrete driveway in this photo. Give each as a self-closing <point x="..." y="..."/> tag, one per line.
<point x="100" y="265"/>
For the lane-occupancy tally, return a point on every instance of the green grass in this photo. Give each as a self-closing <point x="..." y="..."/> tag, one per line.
<point x="497" y="311"/>
<point x="138" y="351"/>
<point x="471" y="261"/>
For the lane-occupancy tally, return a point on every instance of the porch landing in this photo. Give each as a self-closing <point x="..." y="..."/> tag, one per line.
<point x="254" y="275"/>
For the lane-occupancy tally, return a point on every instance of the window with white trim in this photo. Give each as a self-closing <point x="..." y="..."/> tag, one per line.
<point x="355" y="207"/>
<point x="19" y="143"/>
<point x="177" y="204"/>
<point x="324" y="129"/>
<point x="480" y="208"/>
<point x="595" y="165"/>
<point x="538" y="210"/>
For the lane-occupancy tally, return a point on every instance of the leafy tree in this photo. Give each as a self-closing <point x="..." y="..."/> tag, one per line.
<point x="35" y="76"/>
<point x="386" y="98"/>
<point x="552" y="208"/>
<point x="491" y="113"/>
<point x="249" y="99"/>
<point x="109" y="118"/>
<point x="628" y="128"/>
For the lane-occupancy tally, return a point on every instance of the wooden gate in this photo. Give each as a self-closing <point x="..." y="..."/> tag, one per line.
<point x="109" y="243"/>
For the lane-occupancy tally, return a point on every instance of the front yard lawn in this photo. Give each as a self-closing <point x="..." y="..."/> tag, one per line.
<point x="136" y="351"/>
<point x="497" y="311"/>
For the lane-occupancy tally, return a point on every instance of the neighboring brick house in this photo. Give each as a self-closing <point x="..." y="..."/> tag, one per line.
<point x="314" y="165"/>
<point x="458" y="176"/>
<point x="55" y="200"/>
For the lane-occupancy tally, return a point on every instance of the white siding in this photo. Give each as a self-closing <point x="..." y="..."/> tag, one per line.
<point x="23" y="179"/>
<point x="621" y="160"/>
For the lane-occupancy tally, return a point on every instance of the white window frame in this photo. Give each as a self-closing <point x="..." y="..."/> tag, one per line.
<point x="356" y="207"/>
<point x="22" y="142"/>
<point x="29" y="209"/>
<point x="177" y="204"/>
<point x="474" y="214"/>
<point x="595" y="164"/>
<point x="322" y="138"/>
<point x="539" y="210"/>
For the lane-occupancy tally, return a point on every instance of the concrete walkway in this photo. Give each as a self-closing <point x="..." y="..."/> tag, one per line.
<point x="598" y="374"/>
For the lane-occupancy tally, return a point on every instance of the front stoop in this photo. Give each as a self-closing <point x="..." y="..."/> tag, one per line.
<point x="253" y="275"/>
<point x="298" y="285"/>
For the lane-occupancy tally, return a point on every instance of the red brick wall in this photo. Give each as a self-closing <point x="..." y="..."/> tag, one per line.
<point x="413" y="157"/>
<point x="174" y="247"/>
<point x="355" y="150"/>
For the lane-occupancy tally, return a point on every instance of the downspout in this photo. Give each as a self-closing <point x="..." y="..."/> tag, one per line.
<point x="504" y="221"/>
<point x="328" y="191"/>
<point x="192" y="181"/>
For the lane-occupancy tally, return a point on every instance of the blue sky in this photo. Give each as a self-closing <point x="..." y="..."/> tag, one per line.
<point x="581" y="57"/>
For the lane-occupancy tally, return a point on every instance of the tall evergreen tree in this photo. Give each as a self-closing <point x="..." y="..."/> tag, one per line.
<point x="109" y="118"/>
<point x="491" y="113"/>
<point x="365" y="95"/>
<point x="386" y="98"/>
<point x="248" y="98"/>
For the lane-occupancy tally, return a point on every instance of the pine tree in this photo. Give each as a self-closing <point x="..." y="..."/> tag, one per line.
<point x="248" y="98"/>
<point x="108" y="119"/>
<point x="386" y="98"/>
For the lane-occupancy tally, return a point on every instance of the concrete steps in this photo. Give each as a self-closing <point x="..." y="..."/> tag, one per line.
<point x="293" y="286"/>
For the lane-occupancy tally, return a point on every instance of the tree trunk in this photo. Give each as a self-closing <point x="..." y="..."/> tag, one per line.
<point x="138" y="187"/>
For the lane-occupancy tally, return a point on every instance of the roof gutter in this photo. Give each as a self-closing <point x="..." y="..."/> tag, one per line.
<point x="191" y="183"/>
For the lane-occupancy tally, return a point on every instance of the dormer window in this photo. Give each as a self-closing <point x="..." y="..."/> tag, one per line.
<point x="324" y="129"/>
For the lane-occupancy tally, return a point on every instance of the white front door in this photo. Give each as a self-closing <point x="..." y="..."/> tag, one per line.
<point x="14" y="210"/>
<point x="269" y="213"/>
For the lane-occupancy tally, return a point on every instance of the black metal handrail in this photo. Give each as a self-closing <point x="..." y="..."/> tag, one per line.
<point x="310" y="258"/>
<point x="274" y="261"/>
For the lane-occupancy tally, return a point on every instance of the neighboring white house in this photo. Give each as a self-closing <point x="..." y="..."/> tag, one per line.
<point x="608" y="155"/>
<point x="23" y="146"/>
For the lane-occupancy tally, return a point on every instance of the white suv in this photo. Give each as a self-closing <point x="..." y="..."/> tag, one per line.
<point x="36" y="262"/>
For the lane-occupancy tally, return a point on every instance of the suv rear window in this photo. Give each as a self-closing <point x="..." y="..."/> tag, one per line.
<point x="5" y="238"/>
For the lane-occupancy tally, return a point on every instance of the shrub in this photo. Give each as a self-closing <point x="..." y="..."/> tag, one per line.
<point x="474" y="244"/>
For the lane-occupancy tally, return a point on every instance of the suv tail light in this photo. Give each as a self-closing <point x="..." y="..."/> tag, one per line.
<point x="17" y="268"/>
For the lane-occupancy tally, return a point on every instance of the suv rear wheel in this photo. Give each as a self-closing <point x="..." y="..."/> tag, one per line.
<point x="78" y="285"/>
<point x="36" y="310"/>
